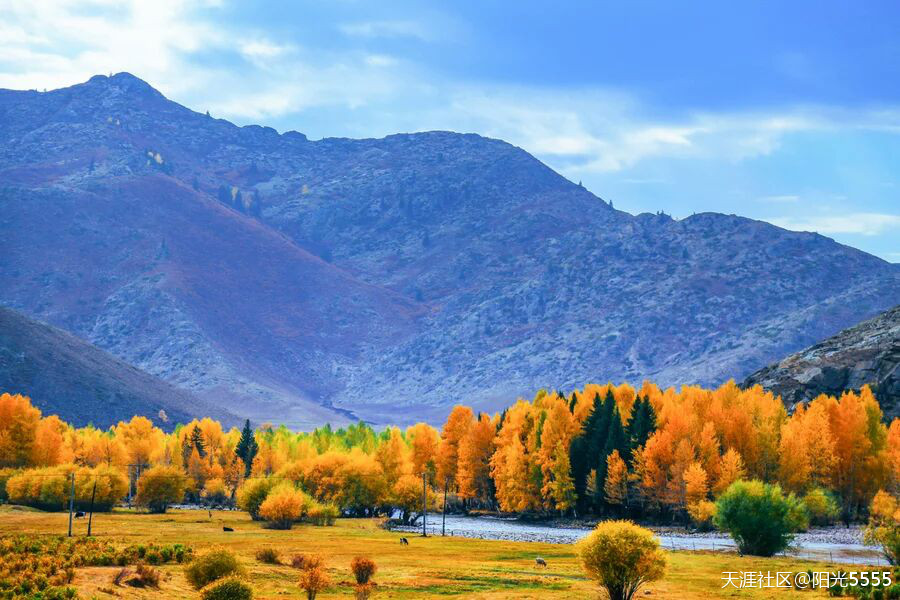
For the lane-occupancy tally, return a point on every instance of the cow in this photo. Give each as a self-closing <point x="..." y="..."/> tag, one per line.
<point x="540" y="562"/>
<point x="404" y="542"/>
<point x="227" y="529"/>
<point x="79" y="515"/>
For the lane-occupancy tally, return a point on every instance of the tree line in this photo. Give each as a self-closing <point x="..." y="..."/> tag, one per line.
<point x="603" y="450"/>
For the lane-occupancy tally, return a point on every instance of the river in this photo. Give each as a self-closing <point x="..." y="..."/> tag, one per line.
<point x="831" y="544"/>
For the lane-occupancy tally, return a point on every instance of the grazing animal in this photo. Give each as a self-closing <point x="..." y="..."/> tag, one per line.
<point x="227" y="529"/>
<point x="540" y="562"/>
<point x="79" y="515"/>
<point x="404" y="542"/>
<point x="210" y="515"/>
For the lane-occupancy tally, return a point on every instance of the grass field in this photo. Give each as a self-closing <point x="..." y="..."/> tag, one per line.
<point x="431" y="567"/>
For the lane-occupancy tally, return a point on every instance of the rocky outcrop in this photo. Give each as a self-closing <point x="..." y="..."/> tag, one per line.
<point x="865" y="354"/>
<point x="299" y="281"/>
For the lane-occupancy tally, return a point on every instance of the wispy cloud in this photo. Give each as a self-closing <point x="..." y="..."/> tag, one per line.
<point x="855" y="223"/>
<point x="386" y="29"/>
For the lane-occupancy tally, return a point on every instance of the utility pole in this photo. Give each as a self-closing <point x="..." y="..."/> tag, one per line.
<point x="424" y="505"/>
<point x="71" y="502"/>
<point x="444" y="511"/>
<point x="91" y="514"/>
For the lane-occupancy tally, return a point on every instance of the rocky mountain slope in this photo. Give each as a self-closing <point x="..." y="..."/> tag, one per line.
<point x="297" y="280"/>
<point x="865" y="354"/>
<point x="82" y="384"/>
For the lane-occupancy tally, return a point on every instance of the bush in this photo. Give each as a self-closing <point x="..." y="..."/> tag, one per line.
<point x="253" y="493"/>
<point x="883" y="528"/>
<point x="49" y="488"/>
<point x="284" y="505"/>
<point x="306" y="561"/>
<point x="760" y="518"/>
<point x="269" y="556"/>
<point x="211" y="566"/>
<point x="823" y="509"/>
<point x="313" y="581"/>
<point x="229" y="588"/>
<point x="323" y="514"/>
<point x="621" y="557"/>
<point x="5" y="474"/>
<point x="159" y="487"/>
<point x="363" y="568"/>
<point x="214" y="491"/>
<point x="702" y="514"/>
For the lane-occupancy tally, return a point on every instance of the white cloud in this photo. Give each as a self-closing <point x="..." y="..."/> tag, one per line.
<point x="386" y="29"/>
<point x="861" y="223"/>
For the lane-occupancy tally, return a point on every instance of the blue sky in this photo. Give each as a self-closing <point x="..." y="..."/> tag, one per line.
<point x="782" y="111"/>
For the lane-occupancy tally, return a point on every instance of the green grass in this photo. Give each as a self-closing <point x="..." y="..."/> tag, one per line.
<point x="431" y="567"/>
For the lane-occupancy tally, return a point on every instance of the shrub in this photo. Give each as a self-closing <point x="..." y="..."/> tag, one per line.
<point x="253" y="493"/>
<point x="823" y="509"/>
<point x="363" y="568"/>
<point x="323" y="514"/>
<point x="313" y="581"/>
<point x="49" y="488"/>
<point x="214" y="491"/>
<point x="211" y="566"/>
<point x="284" y="505"/>
<point x="702" y="514"/>
<point x="159" y="487"/>
<point x="883" y="528"/>
<point x="269" y="556"/>
<point x="760" y="518"/>
<point x="5" y="474"/>
<point x="306" y="561"/>
<point x="229" y="588"/>
<point x="621" y="557"/>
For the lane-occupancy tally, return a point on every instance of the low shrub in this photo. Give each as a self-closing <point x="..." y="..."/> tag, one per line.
<point x="323" y="514"/>
<point x="306" y="561"/>
<point x="140" y="577"/>
<point x="363" y="569"/>
<point x="211" y="566"/>
<point x="313" y="581"/>
<point x="760" y="518"/>
<point x="822" y="507"/>
<point x="269" y="556"/>
<point x="228" y="588"/>
<point x="284" y="505"/>
<point x="621" y="557"/>
<point x="253" y="493"/>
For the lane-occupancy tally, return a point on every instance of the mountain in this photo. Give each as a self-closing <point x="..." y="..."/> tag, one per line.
<point x="865" y="354"/>
<point x="304" y="281"/>
<point x="82" y="384"/>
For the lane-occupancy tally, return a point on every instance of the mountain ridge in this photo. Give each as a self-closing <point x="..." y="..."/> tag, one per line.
<point x="428" y="268"/>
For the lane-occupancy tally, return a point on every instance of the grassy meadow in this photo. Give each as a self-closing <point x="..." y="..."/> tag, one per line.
<point x="431" y="567"/>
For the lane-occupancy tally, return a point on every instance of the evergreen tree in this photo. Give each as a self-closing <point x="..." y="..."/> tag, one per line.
<point x="247" y="448"/>
<point x="572" y="402"/>
<point x="642" y="423"/>
<point x="197" y="441"/>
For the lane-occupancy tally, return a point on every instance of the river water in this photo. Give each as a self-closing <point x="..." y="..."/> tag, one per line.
<point x="832" y="544"/>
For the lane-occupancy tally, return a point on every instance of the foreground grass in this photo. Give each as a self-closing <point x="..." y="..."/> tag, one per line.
<point x="431" y="567"/>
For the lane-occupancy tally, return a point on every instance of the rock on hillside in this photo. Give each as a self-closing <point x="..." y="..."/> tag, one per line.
<point x="297" y="280"/>
<point x="865" y="354"/>
<point x="66" y="376"/>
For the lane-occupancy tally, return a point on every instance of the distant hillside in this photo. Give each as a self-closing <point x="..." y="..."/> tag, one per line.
<point x="82" y="384"/>
<point x="868" y="353"/>
<point x="299" y="281"/>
